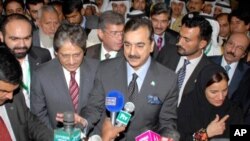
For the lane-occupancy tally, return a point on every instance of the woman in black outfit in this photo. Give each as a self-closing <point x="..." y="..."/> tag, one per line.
<point x="206" y="113"/>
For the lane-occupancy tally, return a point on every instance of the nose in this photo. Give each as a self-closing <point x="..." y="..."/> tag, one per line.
<point x="9" y="96"/>
<point x="22" y="43"/>
<point x="71" y="60"/>
<point x="221" y="96"/>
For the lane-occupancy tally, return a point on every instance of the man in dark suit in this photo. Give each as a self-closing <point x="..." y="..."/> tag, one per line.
<point x="164" y="37"/>
<point x="195" y="34"/>
<point x="155" y="93"/>
<point x="51" y="92"/>
<point x="110" y="32"/>
<point x="20" y="123"/>
<point x="17" y="36"/>
<point x="235" y="49"/>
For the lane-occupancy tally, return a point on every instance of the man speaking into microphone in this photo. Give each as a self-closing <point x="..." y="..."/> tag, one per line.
<point x="149" y="85"/>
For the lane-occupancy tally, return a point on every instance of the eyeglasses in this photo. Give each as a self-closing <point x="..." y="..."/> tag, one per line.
<point x="237" y="47"/>
<point x="114" y="33"/>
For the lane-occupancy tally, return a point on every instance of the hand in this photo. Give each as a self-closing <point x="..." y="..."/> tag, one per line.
<point x="78" y="119"/>
<point x="217" y="126"/>
<point x="110" y="132"/>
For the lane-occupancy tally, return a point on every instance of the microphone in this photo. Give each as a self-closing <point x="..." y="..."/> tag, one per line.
<point x="148" y="136"/>
<point x="114" y="103"/>
<point x="68" y="132"/>
<point x="124" y="116"/>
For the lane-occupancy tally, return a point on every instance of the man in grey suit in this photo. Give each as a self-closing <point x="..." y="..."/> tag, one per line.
<point x="20" y="123"/>
<point x="51" y="89"/>
<point x="110" y="32"/>
<point x="156" y="98"/>
<point x="17" y="36"/>
<point x="195" y="34"/>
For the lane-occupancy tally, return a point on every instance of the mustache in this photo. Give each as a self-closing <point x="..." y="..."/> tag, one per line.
<point x="133" y="57"/>
<point x="20" y="48"/>
<point x="231" y="53"/>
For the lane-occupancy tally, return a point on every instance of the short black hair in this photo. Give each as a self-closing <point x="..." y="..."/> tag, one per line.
<point x="33" y="2"/>
<point x="70" y="6"/>
<point x="135" y="23"/>
<point x="10" y="69"/>
<point x="193" y="19"/>
<point x="160" y="8"/>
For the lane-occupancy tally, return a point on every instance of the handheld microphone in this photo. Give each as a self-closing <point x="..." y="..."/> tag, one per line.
<point x="148" y="136"/>
<point x="68" y="132"/>
<point x="125" y="115"/>
<point x="114" y="103"/>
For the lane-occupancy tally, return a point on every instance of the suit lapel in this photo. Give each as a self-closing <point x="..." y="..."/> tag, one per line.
<point x="13" y="117"/>
<point x="60" y="83"/>
<point x="237" y="76"/>
<point x="84" y="84"/>
<point x="147" y="88"/>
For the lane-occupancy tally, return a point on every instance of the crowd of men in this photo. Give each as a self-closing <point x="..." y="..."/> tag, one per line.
<point x="66" y="55"/>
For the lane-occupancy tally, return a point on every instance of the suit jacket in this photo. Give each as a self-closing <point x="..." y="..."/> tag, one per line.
<point x="240" y="70"/>
<point x="170" y="38"/>
<point x="25" y="125"/>
<point x="50" y="93"/>
<point x="37" y="56"/>
<point x="242" y="96"/>
<point x="159" y="82"/>
<point x="36" y="38"/>
<point x="170" y="58"/>
<point x="95" y="52"/>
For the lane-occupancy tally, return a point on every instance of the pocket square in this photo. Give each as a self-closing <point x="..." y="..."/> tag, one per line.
<point x="155" y="100"/>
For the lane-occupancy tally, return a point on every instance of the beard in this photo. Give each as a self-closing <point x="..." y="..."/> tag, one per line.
<point x="19" y="55"/>
<point x="47" y="41"/>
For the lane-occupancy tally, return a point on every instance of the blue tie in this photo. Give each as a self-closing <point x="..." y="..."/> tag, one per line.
<point x="227" y="68"/>
<point x="181" y="73"/>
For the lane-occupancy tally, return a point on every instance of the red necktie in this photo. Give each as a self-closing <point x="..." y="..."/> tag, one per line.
<point x="4" y="133"/>
<point x="74" y="90"/>
<point x="159" y="43"/>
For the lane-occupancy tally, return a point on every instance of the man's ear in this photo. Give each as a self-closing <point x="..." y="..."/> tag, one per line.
<point x="1" y="36"/>
<point x="203" y="44"/>
<point x="100" y="33"/>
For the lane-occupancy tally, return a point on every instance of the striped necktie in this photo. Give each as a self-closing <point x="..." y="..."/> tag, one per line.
<point x="133" y="87"/>
<point x="182" y="72"/>
<point x="74" y="90"/>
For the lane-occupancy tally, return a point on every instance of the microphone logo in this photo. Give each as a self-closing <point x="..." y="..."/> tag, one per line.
<point x="123" y="117"/>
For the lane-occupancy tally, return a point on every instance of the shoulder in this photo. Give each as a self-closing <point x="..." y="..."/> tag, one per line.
<point x="93" y="63"/>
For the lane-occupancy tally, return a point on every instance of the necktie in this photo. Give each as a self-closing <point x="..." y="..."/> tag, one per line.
<point x="73" y="90"/>
<point x="159" y="43"/>
<point x="4" y="133"/>
<point x="181" y="73"/>
<point x="107" y="56"/>
<point x="132" y="87"/>
<point x="227" y="68"/>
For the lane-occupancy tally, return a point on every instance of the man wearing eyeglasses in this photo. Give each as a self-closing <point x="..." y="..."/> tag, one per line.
<point x="110" y="32"/>
<point x="235" y="49"/>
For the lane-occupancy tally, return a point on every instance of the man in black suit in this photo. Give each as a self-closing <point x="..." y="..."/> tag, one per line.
<point x="195" y="34"/>
<point x="164" y="37"/>
<point x="17" y="36"/>
<point x="20" y="123"/>
<point x="235" y="49"/>
<point x="110" y="32"/>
